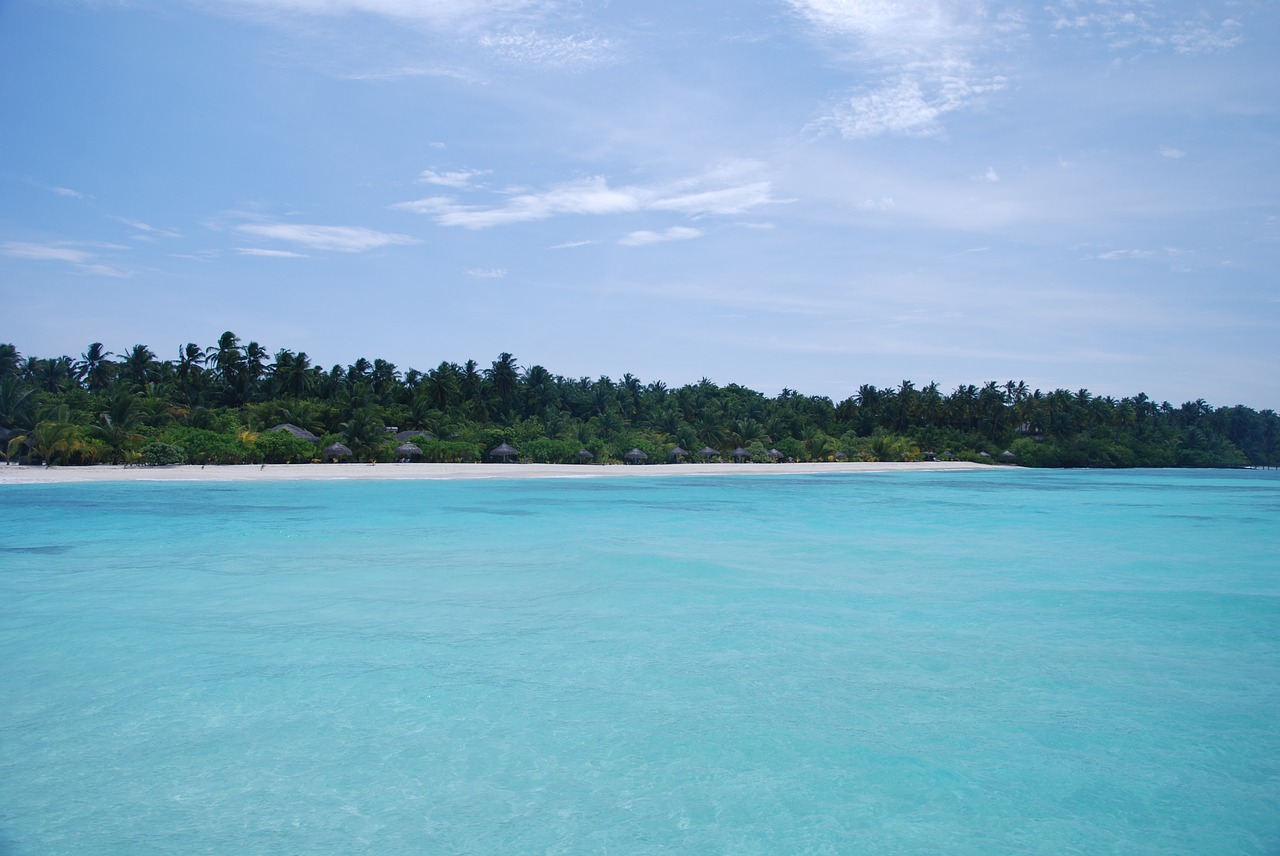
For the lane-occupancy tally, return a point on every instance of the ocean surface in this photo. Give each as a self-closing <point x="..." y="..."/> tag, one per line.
<point x="995" y="662"/>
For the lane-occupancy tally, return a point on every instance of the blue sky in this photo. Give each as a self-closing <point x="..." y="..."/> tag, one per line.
<point x="810" y="194"/>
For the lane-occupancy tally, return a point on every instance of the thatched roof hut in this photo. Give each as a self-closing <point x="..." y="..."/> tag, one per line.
<point x="740" y="454"/>
<point x="584" y="455"/>
<point x="336" y="450"/>
<point x="403" y="436"/>
<point x="503" y="453"/>
<point x="776" y="455"/>
<point x="300" y="433"/>
<point x="1007" y="457"/>
<point x="635" y="456"/>
<point x="708" y="453"/>
<point x="677" y="453"/>
<point x="408" y="450"/>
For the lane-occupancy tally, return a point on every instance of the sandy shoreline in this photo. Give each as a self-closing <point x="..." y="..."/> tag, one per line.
<point x="13" y="474"/>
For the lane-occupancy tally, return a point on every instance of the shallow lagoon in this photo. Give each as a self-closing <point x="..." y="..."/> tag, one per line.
<point x="972" y="663"/>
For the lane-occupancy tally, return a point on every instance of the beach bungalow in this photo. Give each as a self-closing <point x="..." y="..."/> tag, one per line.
<point x="504" y="453"/>
<point x="300" y="433"/>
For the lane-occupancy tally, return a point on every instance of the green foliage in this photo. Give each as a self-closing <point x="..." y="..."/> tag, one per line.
<point x="281" y="447"/>
<point x="210" y="401"/>
<point x="203" y="446"/>
<point x="157" y="454"/>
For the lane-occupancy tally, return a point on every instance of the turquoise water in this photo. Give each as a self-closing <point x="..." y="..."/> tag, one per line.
<point x="962" y="663"/>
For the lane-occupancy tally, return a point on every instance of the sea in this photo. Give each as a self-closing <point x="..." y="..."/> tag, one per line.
<point x="988" y="662"/>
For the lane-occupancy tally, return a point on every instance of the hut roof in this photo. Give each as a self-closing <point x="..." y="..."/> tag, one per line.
<point x="775" y="454"/>
<point x="708" y="452"/>
<point x="585" y="455"/>
<point x="740" y="453"/>
<point x="407" y="449"/>
<point x="503" y="451"/>
<point x="300" y="433"/>
<point x="337" y="450"/>
<point x="635" y="455"/>
<point x="409" y="435"/>
<point x="1006" y="455"/>
<point x="677" y="452"/>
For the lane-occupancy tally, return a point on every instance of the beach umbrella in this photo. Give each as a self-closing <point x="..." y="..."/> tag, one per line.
<point x="337" y="450"/>
<point x="300" y="433"/>
<point x="635" y="456"/>
<point x="503" y="453"/>
<point x="740" y="454"/>
<point x="1008" y="457"/>
<point x="407" y="450"/>
<point x="402" y="436"/>
<point x="776" y="455"/>
<point x="677" y="453"/>
<point x="584" y="455"/>
<point x="708" y="453"/>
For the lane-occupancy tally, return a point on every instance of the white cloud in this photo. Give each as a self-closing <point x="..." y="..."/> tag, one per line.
<point x="67" y="191"/>
<point x="529" y="47"/>
<point x="728" y="189"/>
<point x="923" y="58"/>
<point x="435" y="13"/>
<point x="272" y="254"/>
<point x="645" y="237"/>
<point x="912" y="105"/>
<point x="1128" y="24"/>
<point x="884" y="203"/>
<point x="487" y="273"/>
<point x="991" y="175"/>
<point x="1170" y="152"/>
<point x="569" y="245"/>
<point x="43" y="252"/>
<point x="459" y="179"/>
<point x="343" y="239"/>
<point x="63" y="251"/>
<point x="526" y="32"/>
<point x="147" y="230"/>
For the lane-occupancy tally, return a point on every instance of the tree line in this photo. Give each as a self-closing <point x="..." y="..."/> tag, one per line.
<point x="218" y="404"/>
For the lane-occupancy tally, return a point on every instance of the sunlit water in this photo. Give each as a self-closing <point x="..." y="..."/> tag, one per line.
<point x="963" y="663"/>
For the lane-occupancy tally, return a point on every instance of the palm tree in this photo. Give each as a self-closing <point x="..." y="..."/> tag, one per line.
<point x="95" y="368"/>
<point x="15" y="402"/>
<point x="10" y="359"/>
<point x="116" y="425"/>
<point x="504" y="376"/>
<point x="139" y="366"/>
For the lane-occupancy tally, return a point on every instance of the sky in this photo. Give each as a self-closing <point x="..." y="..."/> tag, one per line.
<point x="809" y="194"/>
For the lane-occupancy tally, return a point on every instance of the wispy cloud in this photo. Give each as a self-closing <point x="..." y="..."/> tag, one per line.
<point x="68" y="192"/>
<point x="675" y="233"/>
<point x="459" y="179"/>
<point x="487" y="273"/>
<point x="1128" y="24"/>
<point x="543" y="33"/>
<point x="271" y="254"/>
<point x="730" y="189"/>
<point x="923" y="59"/>
<point x="147" y="232"/>
<point x="569" y="245"/>
<point x="69" y="252"/>
<point x="1170" y="152"/>
<point x="342" y="239"/>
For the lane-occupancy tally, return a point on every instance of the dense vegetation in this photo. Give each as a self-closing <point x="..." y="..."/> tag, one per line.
<point x="218" y="404"/>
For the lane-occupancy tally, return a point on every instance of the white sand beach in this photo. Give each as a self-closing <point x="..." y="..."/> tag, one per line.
<point x="14" y="474"/>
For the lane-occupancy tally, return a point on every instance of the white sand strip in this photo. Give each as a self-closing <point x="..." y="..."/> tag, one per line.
<point x="13" y="474"/>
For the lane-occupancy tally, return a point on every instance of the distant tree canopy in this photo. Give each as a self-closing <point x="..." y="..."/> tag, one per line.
<point x="218" y="404"/>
